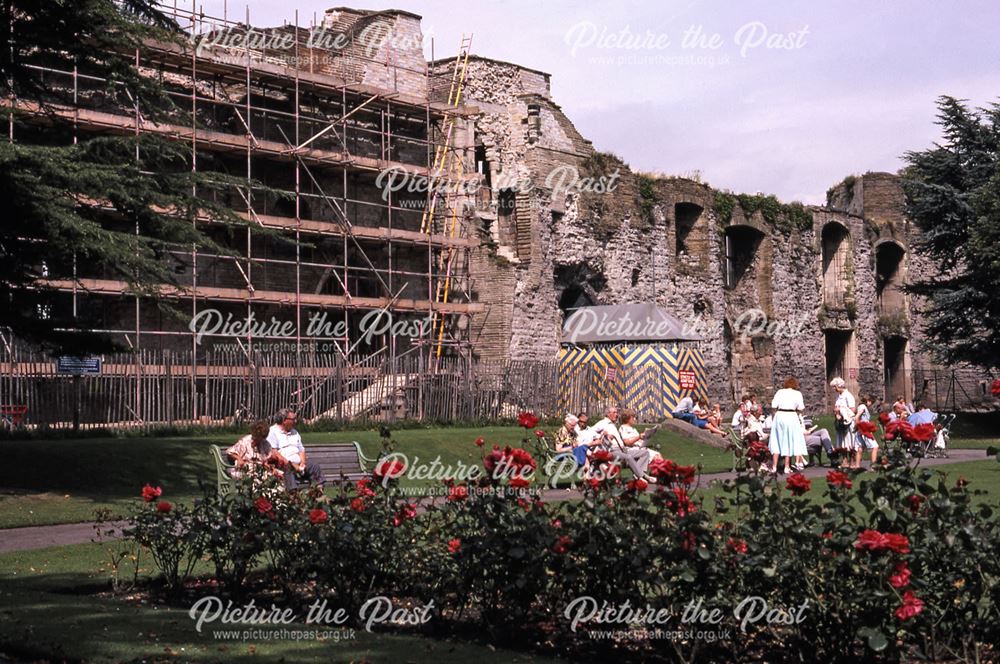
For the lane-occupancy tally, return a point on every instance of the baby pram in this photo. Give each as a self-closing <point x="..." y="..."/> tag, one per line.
<point x="922" y="440"/>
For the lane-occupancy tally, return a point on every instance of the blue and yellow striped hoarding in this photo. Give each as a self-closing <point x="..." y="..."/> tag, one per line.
<point x="650" y="378"/>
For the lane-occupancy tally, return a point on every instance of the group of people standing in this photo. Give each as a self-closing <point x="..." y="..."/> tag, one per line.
<point x="849" y="413"/>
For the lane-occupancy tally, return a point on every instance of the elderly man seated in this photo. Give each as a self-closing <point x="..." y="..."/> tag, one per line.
<point x="284" y="438"/>
<point x="636" y="458"/>
<point x="817" y="440"/>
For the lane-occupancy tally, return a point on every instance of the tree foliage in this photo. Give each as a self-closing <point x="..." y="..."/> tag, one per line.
<point x="953" y="196"/>
<point x="107" y="205"/>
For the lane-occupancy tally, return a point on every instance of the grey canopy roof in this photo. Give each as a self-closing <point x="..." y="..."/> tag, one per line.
<point x="642" y="322"/>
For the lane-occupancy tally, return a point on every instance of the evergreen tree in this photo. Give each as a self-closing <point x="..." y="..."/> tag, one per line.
<point x="953" y="196"/>
<point x="115" y="204"/>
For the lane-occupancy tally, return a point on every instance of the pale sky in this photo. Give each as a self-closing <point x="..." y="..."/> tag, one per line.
<point x="853" y="90"/>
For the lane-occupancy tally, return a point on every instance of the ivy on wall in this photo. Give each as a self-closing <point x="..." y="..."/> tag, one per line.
<point x="784" y="217"/>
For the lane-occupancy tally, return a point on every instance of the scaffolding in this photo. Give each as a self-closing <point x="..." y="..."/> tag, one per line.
<point x="319" y="138"/>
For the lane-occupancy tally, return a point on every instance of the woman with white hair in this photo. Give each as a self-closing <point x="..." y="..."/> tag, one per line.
<point x="845" y="411"/>
<point x="565" y="437"/>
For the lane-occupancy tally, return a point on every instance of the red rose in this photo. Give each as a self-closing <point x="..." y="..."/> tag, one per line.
<point x="680" y="502"/>
<point x="900" y="576"/>
<point x="151" y="493"/>
<point x="454" y="545"/>
<point x="519" y="458"/>
<point x="915" y="500"/>
<point x="911" y="606"/>
<point x="389" y="469"/>
<point x="358" y="505"/>
<point x="405" y="513"/>
<point x="600" y="456"/>
<point x="737" y="545"/>
<point x="872" y="540"/>
<point x="594" y="483"/>
<point x="636" y="485"/>
<point x="480" y="442"/>
<point x="363" y="488"/>
<point x="685" y="474"/>
<point x="612" y="470"/>
<point x="798" y="484"/>
<point x="867" y="429"/>
<point x="758" y="452"/>
<point x="837" y="478"/>
<point x="491" y="460"/>
<point x="689" y="542"/>
<point x="995" y="387"/>
<point x="263" y="505"/>
<point x="539" y="433"/>
<point x="527" y="420"/>
<point x="499" y="463"/>
<point x="164" y="507"/>
<point x="924" y="432"/>
<point x="519" y="483"/>
<point x="883" y="417"/>
<point x="557" y="524"/>
<point x="562" y="544"/>
<point x="458" y="493"/>
<point x="524" y="504"/>
<point x="897" y="543"/>
<point x="318" y="516"/>
<point x="667" y="471"/>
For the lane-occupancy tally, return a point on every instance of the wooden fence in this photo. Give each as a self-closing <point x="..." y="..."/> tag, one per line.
<point x="149" y="388"/>
<point x="153" y="388"/>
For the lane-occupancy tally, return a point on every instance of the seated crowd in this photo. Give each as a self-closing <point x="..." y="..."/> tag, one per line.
<point x="612" y="437"/>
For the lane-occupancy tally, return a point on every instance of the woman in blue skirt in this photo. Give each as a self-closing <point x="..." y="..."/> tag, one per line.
<point x="787" y="433"/>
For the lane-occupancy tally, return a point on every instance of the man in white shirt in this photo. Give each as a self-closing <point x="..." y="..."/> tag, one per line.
<point x="284" y="438"/>
<point x="684" y="409"/>
<point x="636" y="458"/>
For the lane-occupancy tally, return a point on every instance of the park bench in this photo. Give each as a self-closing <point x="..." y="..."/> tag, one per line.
<point x="339" y="461"/>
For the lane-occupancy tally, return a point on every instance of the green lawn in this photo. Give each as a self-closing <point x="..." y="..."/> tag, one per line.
<point x="982" y="476"/>
<point x="64" y="481"/>
<point x="52" y="612"/>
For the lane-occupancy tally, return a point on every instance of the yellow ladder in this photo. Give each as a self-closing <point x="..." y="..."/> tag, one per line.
<point x="443" y="150"/>
<point x="450" y="168"/>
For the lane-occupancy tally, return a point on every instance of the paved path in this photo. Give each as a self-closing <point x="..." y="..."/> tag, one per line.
<point x="38" y="537"/>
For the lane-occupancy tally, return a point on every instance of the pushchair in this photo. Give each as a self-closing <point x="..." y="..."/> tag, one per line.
<point x="922" y="440"/>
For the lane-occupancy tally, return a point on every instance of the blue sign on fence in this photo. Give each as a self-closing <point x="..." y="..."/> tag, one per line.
<point x="78" y="366"/>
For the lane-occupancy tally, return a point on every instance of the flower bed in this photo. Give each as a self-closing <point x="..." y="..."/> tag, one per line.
<point x="890" y="564"/>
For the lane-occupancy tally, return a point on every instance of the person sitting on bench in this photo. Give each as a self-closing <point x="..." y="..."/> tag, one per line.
<point x="636" y="458"/>
<point x="631" y="436"/>
<point x="286" y="440"/>
<point x="253" y="450"/>
<point x="817" y="439"/>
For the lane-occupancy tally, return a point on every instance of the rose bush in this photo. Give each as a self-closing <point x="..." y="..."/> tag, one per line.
<point x="893" y="564"/>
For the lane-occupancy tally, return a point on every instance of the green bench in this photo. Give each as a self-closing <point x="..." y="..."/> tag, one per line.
<point x="341" y="462"/>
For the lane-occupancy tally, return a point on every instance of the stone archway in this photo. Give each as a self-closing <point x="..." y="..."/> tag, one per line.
<point x="836" y="244"/>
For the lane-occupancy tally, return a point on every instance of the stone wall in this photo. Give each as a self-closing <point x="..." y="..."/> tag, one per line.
<point x="622" y="246"/>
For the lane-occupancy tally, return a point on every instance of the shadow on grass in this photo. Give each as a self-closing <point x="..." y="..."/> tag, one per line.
<point x="55" y="617"/>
